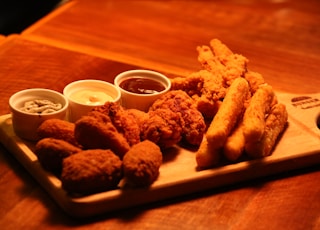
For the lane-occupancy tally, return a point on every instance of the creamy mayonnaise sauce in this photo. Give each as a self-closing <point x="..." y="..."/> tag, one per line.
<point x="90" y="97"/>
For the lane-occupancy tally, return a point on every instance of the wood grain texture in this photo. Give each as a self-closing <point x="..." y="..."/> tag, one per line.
<point x="281" y="40"/>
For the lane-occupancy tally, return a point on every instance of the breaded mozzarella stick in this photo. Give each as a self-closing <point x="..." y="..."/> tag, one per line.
<point x="228" y="114"/>
<point x="207" y="156"/>
<point x="255" y="115"/>
<point x="235" y="144"/>
<point x="275" y="124"/>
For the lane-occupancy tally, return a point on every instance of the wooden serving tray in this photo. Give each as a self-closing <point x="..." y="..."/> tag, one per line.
<point x="298" y="147"/>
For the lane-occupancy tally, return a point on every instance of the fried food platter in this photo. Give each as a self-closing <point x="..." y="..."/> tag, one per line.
<point x="298" y="147"/>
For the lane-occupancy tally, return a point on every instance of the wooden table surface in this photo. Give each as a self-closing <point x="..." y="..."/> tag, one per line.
<point x="90" y="39"/>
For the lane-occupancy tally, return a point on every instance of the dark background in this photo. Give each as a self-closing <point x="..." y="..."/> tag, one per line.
<point x="16" y="15"/>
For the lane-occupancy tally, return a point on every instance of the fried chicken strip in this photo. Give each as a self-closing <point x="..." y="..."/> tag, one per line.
<point x="275" y="124"/>
<point x="228" y="114"/>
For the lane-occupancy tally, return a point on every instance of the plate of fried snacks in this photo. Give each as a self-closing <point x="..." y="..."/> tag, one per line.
<point x="218" y="126"/>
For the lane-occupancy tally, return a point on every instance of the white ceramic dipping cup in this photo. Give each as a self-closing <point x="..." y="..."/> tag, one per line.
<point x="140" y="101"/>
<point x="25" y="124"/>
<point x="84" y="95"/>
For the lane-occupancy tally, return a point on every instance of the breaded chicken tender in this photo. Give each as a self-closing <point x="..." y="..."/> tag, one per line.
<point x="96" y="131"/>
<point x="51" y="152"/>
<point x="191" y="120"/>
<point x="58" y="129"/>
<point x="91" y="171"/>
<point x="141" y="163"/>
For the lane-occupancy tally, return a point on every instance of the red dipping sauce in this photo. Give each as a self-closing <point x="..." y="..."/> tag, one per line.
<point x="141" y="85"/>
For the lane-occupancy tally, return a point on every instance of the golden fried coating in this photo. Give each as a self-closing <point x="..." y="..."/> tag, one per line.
<point x="58" y="129"/>
<point x="255" y="115"/>
<point x="227" y="116"/>
<point x="235" y="143"/>
<point x="91" y="171"/>
<point x="51" y="152"/>
<point x="191" y="120"/>
<point x="141" y="163"/>
<point x="220" y="60"/>
<point x="163" y="128"/>
<point x="205" y="88"/>
<point x="255" y="80"/>
<point x="96" y="131"/>
<point x="207" y="156"/>
<point x="123" y="120"/>
<point x="275" y="124"/>
<point x="139" y="116"/>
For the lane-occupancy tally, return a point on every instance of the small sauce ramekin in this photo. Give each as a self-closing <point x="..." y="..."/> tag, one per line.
<point x="78" y="108"/>
<point x="25" y="124"/>
<point x="131" y="100"/>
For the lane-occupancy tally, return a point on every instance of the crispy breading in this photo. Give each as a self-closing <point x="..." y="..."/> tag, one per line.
<point x="255" y="115"/>
<point x="207" y="155"/>
<point x="221" y="61"/>
<point x="235" y="144"/>
<point x="163" y="128"/>
<point x="58" y="129"/>
<point x="205" y="88"/>
<point x="255" y="80"/>
<point x="96" y="131"/>
<point x="275" y="124"/>
<point x="124" y="122"/>
<point x="141" y="163"/>
<point x="227" y="116"/>
<point x="51" y="152"/>
<point x="91" y="171"/>
<point x="191" y="120"/>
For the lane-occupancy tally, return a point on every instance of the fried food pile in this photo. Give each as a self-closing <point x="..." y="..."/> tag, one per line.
<point x="246" y="116"/>
<point x="224" y="110"/>
<point x="111" y="143"/>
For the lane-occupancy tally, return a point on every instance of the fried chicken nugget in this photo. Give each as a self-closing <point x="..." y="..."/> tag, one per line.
<point x="141" y="163"/>
<point x="91" y="171"/>
<point x="255" y="115"/>
<point x="275" y="124"/>
<point x="51" y="152"/>
<point x="58" y="129"/>
<point x="96" y="131"/>
<point x="228" y="114"/>
<point x="163" y="127"/>
<point x="191" y="120"/>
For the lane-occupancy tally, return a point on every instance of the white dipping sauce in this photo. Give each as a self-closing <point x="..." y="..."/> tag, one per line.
<point x="90" y="97"/>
